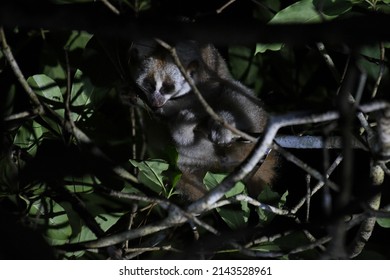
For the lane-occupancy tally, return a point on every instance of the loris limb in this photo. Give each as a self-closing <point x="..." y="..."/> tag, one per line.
<point x="219" y="134"/>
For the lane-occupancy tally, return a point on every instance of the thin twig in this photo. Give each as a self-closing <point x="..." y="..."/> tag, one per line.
<point x="316" y="174"/>
<point x="319" y="184"/>
<point x="329" y="61"/>
<point x="22" y="115"/>
<point x="254" y="202"/>
<point x="381" y="70"/>
<point x="111" y="7"/>
<point x="367" y="226"/>
<point x="308" y="195"/>
<point x="220" y="10"/>
<point x="68" y="121"/>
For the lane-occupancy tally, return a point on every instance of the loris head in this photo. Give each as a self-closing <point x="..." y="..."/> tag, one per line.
<point x="157" y="75"/>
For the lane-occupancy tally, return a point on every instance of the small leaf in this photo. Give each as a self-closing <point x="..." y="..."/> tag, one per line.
<point x="79" y="96"/>
<point x="261" y="48"/>
<point x="273" y="198"/>
<point x="150" y="173"/>
<point x="46" y="87"/>
<point x="300" y="12"/>
<point x="383" y="222"/>
<point x="212" y="180"/>
<point x="370" y="61"/>
<point x="59" y="230"/>
<point x="235" y="216"/>
<point x="29" y="136"/>
<point x="78" y="40"/>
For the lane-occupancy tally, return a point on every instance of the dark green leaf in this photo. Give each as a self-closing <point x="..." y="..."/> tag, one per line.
<point x="383" y="222"/>
<point x="150" y="173"/>
<point x="59" y="230"/>
<point x="235" y="217"/>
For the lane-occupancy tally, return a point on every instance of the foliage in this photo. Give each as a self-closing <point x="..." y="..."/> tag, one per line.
<point x="67" y="188"/>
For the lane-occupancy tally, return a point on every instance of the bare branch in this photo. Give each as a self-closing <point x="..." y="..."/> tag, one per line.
<point x="314" y="142"/>
<point x="102" y="21"/>
<point x="254" y="202"/>
<point x="22" y="115"/>
<point x="367" y="226"/>
<point x="381" y="70"/>
<point x="290" y="157"/>
<point x="111" y="7"/>
<point x="220" y="10"/>
<point x="319" y="184"/>
<point x="263" y="145"/>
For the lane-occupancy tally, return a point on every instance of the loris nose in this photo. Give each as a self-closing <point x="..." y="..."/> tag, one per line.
<point x="157" y="100"/>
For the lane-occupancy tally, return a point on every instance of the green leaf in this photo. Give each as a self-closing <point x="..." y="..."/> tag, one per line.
<point x="234" y="216"/>
<point x="212" y="180"/>
<point x="58" y="230"/>
<point x="54" y="69"/>
<point x="150" y="173"/>
<point x="383" y="222"/>
<point x="273" y="198"/>
<point x="300" y="12"/>
<point x="333" y="7"/>
<point x="46" y="87"/>
<point x="84" y="184"/>
<point x="78" y="40"/>
<point x="79" y="96"/>
<point x="29" y="136"/>
<point x="370" y="61"/>
<point x="101" y="209"/>
<point x="245" y="66"/>
<point x="261" y="48"/>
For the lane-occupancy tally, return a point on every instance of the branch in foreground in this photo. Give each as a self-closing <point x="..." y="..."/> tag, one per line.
<point x="99" y="20"/>
<point x="263" y="145"/>
<point x="315" y="142"/>
<point x="177" y="217"/>
<point x="367" y="226"/>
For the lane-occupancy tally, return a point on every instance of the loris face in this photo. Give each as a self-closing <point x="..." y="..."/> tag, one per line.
<point x="160" y="80"/>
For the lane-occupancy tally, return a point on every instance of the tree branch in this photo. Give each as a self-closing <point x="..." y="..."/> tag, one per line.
<point x="99" y="20"/>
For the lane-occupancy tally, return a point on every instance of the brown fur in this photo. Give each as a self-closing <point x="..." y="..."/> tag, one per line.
<point x="200" y="152"/>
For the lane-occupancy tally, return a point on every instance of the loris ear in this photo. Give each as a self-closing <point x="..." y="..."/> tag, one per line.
<point x="140" y="50"/>
<point x="192" y="68"/>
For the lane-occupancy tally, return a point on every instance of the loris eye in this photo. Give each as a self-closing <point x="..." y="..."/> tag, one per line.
<point x="149" y="85"/>
<point x="167" y="88"/>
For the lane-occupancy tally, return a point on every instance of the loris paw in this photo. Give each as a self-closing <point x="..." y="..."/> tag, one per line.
<point x="182" y="129"/>
<point x="186" y="115"/>
<point x="220" y="134"/>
